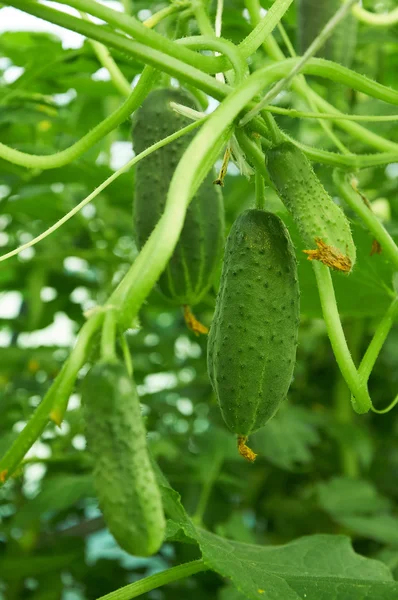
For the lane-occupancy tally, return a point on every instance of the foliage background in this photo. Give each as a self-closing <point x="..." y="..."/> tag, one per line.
<point x="321" y="469"/>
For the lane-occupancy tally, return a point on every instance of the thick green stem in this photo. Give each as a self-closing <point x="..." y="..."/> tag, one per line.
<point x="155" y="581"/>
<point x="361" y="401"/>
<point x="53" y="400"/>
<point x="157" y="42"/>
<point x="357" y="204"/>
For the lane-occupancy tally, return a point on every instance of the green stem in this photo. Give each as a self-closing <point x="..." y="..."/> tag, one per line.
<point x="312" y="49"/>
<point x="357" y="204"/>
<point x="379" y="337"/>
<point x="352" y="161"/>
<point x="157" y="42"/>
<point x="103" y="186"/>
<point x="274" y="131"/>
<point x="254" y="153"/>
<point x="59" y="159"/>
<point x="56" y="395"/>
<point x="374" y="348"/>
<point x="204" y="42"/>
<point x="202" y="18"/>
<point x="259" y="187"/>
<point x="361" y="401"/>
<point x="300" y="114"/>
<point x="162" y="14"/>
<point x="374" y="19"/>
<point x="104" y="56"/>
<point x="108" y="337"/>
<point x="126" y="355"/>
<point x="157" y="580"/>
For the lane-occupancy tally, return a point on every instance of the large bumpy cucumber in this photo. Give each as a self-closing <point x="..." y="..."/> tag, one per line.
<point x="313" y="16"/>
<point x="123" y="476"/>
<point x="192" y="266"/>
<point x="253" y="336"/>
<point x="323" y="226"/>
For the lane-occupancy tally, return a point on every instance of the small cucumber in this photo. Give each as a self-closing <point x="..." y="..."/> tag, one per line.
<point x="321" y="223"/>
<point x="313" y="16"/>
<point x="253" y="336"/>
<point x="123" y="476"/>
<point x="193" y="264"/>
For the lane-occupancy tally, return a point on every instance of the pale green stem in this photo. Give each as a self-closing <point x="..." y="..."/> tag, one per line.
<point x="374" y="348"/>
<point x="376" y="20"/>
<point x="104" y="56"/>
<point x="379" y="337"/>
<point x="361" y="401"/>
<point x="162" y="14"/>
<point x="299" y="114"/>
<point x="132" y="590"/>
<point x="101" y="187"/>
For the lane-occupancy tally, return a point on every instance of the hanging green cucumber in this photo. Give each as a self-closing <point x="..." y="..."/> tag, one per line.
<point x="253" y="336"/>
<point x="313" y="16"/>
<point x="193" y="264"/>
<point x="123" y="476"/>
<point x="323" y="226"/>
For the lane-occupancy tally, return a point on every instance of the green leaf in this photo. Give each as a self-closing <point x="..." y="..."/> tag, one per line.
<point x="318" y="567"/>
<point x="344" y="496"/>
<point x="358" y="506"/>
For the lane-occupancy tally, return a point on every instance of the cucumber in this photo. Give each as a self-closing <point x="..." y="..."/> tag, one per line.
<point x="123" y="476"/>
<point x="253" y="337"/>
<point x="323" y="226"/>
<point x="193" y="264"/>
<point x="313" y="16"/>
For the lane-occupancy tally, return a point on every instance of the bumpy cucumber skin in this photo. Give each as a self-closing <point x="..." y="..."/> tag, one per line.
<point x="192" y="266"/>
<point x="253" y="337"/>
<point x="123" y="476"/>
<point x="313" y="16"/>
<point x="315" y="213"/>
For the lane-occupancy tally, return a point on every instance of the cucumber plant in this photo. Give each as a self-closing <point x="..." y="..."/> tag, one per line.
<point x="179" y="231"/>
